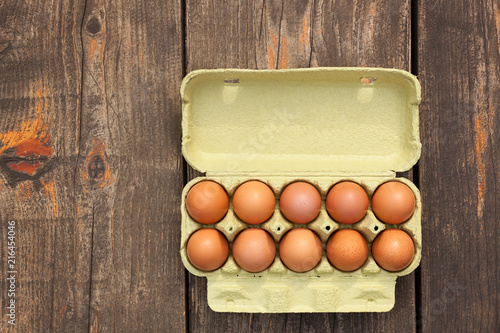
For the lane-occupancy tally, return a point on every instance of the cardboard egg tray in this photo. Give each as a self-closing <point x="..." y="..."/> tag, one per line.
<point x="322" y="126"/>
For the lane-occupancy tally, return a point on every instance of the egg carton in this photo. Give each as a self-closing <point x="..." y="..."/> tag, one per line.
<point x="318" y="125"/>
<point x="279" y="289"/>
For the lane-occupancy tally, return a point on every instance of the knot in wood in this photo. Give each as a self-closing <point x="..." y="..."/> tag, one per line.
<point x="96" y="167"/>
<point x="93" y="26"/>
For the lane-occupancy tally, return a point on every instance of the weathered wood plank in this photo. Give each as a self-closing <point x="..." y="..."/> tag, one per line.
<point x="130" y="165"/>
<point x="459" y="68"/>
<point x="276" y="34"/>
<point x="40" y="81"/>
<point x="90" y="164"/>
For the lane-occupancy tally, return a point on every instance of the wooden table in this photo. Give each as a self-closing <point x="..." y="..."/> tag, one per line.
<point x="91" y="169"/>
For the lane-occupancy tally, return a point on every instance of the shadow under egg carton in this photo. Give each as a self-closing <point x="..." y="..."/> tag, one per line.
<point x="323" y="226"/>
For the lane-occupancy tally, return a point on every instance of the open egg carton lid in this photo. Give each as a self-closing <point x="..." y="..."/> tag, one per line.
<point x="310" y="121"/>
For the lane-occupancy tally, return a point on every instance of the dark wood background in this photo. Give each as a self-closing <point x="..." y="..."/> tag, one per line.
<point x="91" y="168"/>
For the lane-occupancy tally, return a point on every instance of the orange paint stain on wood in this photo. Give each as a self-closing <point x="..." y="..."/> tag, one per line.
<point x="373" y="8"/>
<point x="283" y="53"/>
<point x="25" y="190"/>
<point x="480" y="138"/>
<point x="34" y="147"/>
<point x="270" y="57"/>
<point x="18" y="199"/>
<point x="31" y="149"/>
<point x="96" y="171"/>
<point x="274" y="39"/>
<point x="497" y="20"/>
<point x="271" y="53"/>
<point x="51" y="194"/>
<point x="29" y="168"/>
<point x="304" y="34"/>
<point x="372" y="11"/>
<point x="29" y="139"/>
<point x="63" y="310"/>
<point x="92" y="48"/>
<point x="28" y="142"/>
<point x="30" y="129"/>
<point x="41" y="101"/>
<point x="26" y="134"/>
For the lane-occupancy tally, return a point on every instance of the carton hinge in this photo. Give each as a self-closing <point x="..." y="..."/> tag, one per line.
<point x="300" y="174"/>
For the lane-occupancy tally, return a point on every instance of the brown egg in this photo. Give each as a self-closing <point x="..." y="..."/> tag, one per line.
<point x="347" y="250"/>
<point x="253" y="202"/>
<point x="207" y="202"/>
<point x="207" y="249"/>
<point x="254" y="250"/>
<point x="347" y="202"/>
<point x="300" y="202"/>
<point x="393" y="250"/>
<point x="300" y="250"/>
<point x="393" y="202"/>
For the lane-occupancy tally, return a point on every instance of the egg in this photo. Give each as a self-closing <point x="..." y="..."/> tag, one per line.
<point x="393" y="250"/>
<point x="393" y="202"/>
<point x="300" y="202"/>
<point x="207" y="249"/>
<point x="347" y="250"/>
<point x="347" y="202"/>
<point x="254" y="250"/>
<point x="300" y="250"/>
<point x="207" y="202"/>
<point x="253" y="202"/>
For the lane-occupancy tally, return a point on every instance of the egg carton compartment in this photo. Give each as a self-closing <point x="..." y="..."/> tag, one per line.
<point x="322" y="289"/>
<point x="323" y="225"/>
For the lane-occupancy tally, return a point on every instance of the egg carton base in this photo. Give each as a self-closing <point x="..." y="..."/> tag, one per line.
<point x="271" y="295"/>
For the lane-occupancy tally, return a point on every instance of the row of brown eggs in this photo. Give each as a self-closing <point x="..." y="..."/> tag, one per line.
<point x="300" y="249"/>
<point x="300" y="202"/>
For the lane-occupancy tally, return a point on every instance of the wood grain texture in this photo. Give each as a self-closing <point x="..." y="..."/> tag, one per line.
<point x="90" y="164"/>
<point x="91" y="171"/>
<point x="40" y="81"/>
<point x="459" y="68"/>
<point x="276" y="34"/>
<point x="130" y="164"/>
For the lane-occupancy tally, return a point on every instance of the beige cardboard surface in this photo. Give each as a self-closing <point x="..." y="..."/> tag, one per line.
<point x="319" y="120"/>
<point x="367" y="135"/>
